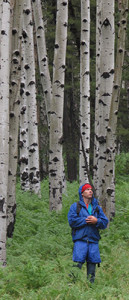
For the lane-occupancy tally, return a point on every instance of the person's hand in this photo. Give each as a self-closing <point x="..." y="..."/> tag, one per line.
<point x="91" y="220"/>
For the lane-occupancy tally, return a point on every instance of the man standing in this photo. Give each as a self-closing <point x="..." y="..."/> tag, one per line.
<point x="86" y="218"/>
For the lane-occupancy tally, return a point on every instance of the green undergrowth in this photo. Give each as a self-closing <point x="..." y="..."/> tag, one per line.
<point x="39" y="256"/>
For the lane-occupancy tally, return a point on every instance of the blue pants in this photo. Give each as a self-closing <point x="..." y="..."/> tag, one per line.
<point x="88" y="252"/>
<point x="84" y="251"/>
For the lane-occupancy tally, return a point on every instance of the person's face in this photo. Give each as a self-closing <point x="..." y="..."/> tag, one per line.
<point x="88" y="193"/>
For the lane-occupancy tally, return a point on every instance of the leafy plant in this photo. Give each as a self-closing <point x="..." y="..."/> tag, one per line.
<point x="39" y="256"/>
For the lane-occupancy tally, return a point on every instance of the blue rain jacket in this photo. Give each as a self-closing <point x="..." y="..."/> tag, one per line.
<point x="80" y="229"/>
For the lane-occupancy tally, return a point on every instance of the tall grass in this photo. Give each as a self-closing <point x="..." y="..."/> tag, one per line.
<point x="39" y="256"/>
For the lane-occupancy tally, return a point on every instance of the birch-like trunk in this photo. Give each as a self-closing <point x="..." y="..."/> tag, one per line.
<point x="4" y="124"/>
<point x="42" y="55"/>
<point x="24" y="138"/>
<point x="56" y="110"/>
<point x="98" y="51"/>
<point x="108" y="196"/>
<point x="33" y="150"/>
<point x="1" y="10"/>
<point x="84" y="90"/>
<point x="106" y="84"/>
<point x="14" y="100"/>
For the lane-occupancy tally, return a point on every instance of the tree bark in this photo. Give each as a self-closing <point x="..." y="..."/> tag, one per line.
<point x="106" y="84"/>
<point x="42" y="55"/>
<point x="84" y="89"/>
<point x="24" y="138"/>
<point x="56" y="111"/>
<point x="4" y="124"/>
<point x="108" y="196"/>
<point x="98" y="51"/>
<point x="31" y="106"/>
<point x="14" y="100"/>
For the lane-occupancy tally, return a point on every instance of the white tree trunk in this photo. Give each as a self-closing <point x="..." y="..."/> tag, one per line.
<point x="33" y="150"/>
<point x="98" y="51"/>
<point x="108" y="196"/>
<point x="4" y="125"/>
<point x="24" y="138"/>
<point x="42" y="55"/>
<point x="1" y="10"/>
<point x="14" y="114"/>
<point x="56" y="111"/>
<point x="84" y="90"/>
<point x="106" y="84"/>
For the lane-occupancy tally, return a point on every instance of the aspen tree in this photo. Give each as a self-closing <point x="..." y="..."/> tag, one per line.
<point x="42" y="55"/>
<point x="14" y="100"/>
<point x="98" y="50"/>
<point x="106" y="84"/>
<point x="24" y="138"/>
<point x="1" y="9"/>
<point x="4" y="123"/>
<point x="56" y="108"/>
<point x="84" y="89"/>
<point x="108" y="196"/>
<point x="30" y="93"/>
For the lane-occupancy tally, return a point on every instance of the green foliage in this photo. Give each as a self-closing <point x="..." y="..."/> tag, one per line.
<point x="122" y="166"/>
<point x="39" y="256"/>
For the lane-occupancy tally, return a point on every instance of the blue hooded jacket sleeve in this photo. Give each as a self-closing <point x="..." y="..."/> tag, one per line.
<point x="74" y="220"/>
<point x="102" y="220"/>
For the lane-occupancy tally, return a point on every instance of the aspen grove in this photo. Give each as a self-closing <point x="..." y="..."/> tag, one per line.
<point x="47" y="109"/>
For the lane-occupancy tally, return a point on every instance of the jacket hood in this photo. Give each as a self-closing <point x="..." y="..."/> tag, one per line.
<point x="93" y="201"/>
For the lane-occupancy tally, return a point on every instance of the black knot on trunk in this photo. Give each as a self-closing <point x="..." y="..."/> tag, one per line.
<point x="64" y="3"/>
<point x="120" y="50"/>
<point x="17" y="53"/>
<point x="15" y="61"/>
<point x="26" y="11"/>
<point x="24" y="34"/>
<point x="23" y="132"/>
<point x="22" y="84"/>
<point x="24" y="176"/>
<point x="106" y="22"/>
<point x="21" y="92"/>
<point x="27" y="93"/>
<point x="3" y="32"/>
<point x="23" y="109"/>
<point x="65" y="24"/>
<point x="105" y="75"/>
<point x="31" y="82"/>
<point x="56" y="46"/>
<point x="44" y="59"/>
<point x="23" y="160"/>
<point x="2" y="201"/>
<point x="13" y="83"/>
<point x="83" y="43"/>
<point x="40" y="27"/>
<point x="14" y="31"/>
<point x="116" y="86"/>
<point x="11" y="114"/>
<point x="110" y="191"/>
<point x="123" y="21"/>
<point x="112" y="71"/>
<point x="55" y="159"/>
<point x="101" y="139"/>
<point x="26" y="67"/>
<point x="32" y="150"/>
<point x="84" y="20"/>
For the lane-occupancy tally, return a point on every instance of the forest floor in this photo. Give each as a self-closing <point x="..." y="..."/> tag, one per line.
<point x="39" y="256"/>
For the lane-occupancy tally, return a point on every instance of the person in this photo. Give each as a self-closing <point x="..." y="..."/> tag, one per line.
<point x="86" y="218"/>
